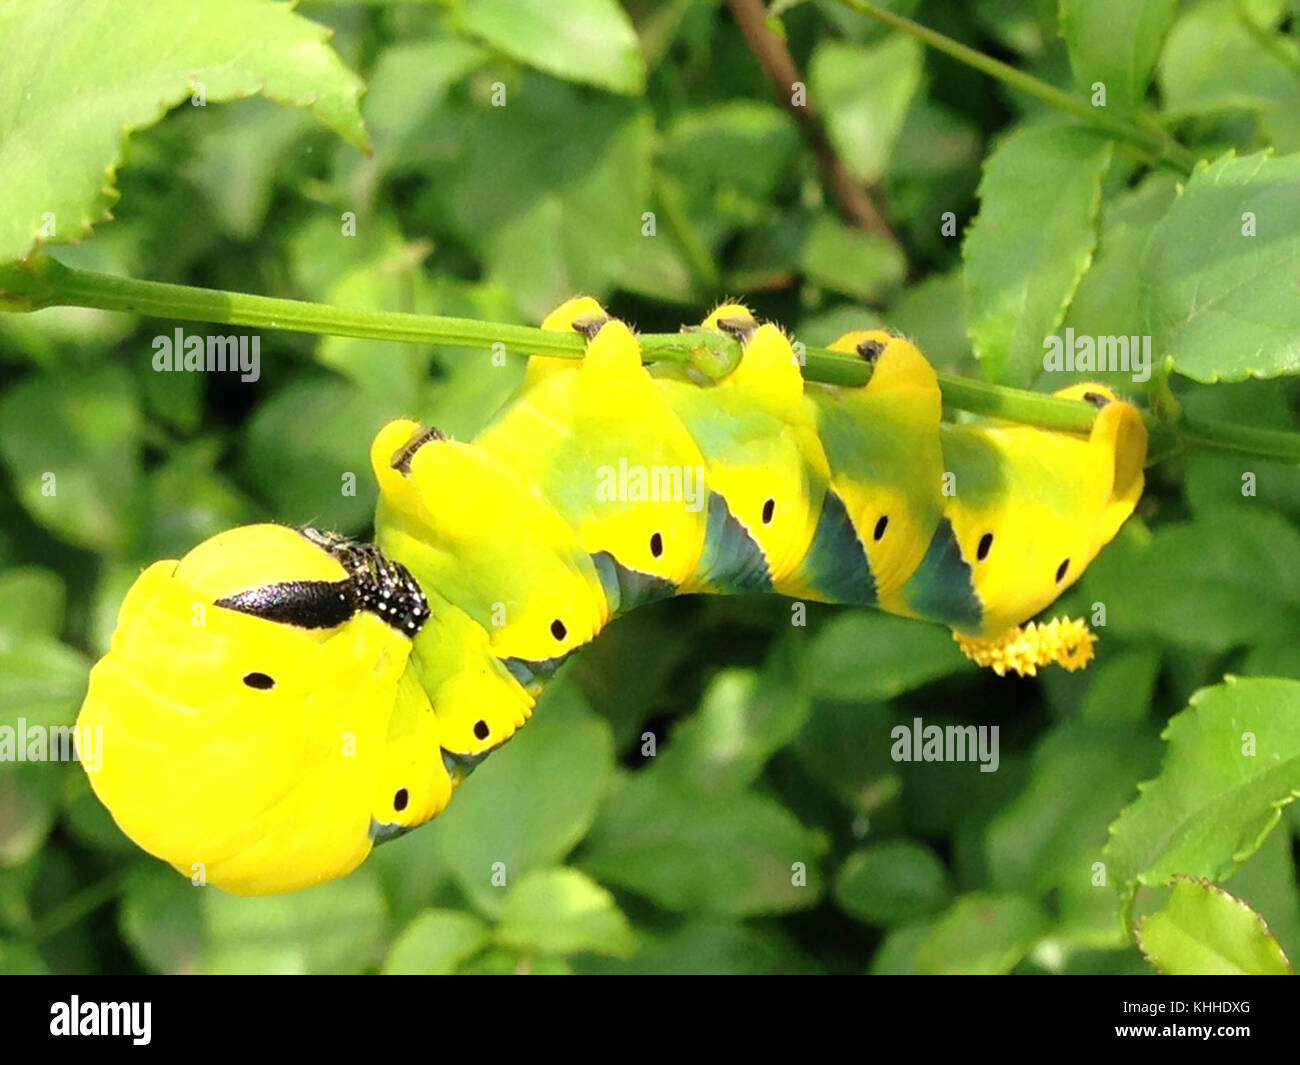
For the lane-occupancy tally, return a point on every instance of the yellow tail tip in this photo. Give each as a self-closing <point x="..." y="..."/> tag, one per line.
<point x="1064" y="642"/>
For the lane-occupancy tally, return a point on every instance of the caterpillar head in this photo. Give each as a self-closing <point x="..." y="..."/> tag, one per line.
<point x="259" y="723"/>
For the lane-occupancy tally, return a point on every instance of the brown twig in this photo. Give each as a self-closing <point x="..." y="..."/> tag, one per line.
<point x="852" y="201"/>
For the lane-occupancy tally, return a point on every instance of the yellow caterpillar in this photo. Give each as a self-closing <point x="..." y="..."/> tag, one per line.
<point x="280" y="700"/>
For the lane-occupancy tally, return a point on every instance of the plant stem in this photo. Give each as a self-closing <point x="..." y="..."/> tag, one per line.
<point x="44" y="282"/>
<point x="1275" y="444"/>
<point x="1147" y="133"/>
<point x="73" y="909"/>
<point x="850" y="199"/>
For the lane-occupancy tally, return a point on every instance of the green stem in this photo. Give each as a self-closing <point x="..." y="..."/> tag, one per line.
<point x="44" y="282"/>
<point x="73" y="909"/>
<point x="1275" y="444"/>
<point x="1146" y="132"/>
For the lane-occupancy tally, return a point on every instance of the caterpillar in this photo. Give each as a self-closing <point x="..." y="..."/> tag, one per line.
<point x="280" y="700"/>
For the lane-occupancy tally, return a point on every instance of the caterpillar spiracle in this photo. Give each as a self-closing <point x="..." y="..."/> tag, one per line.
<point x="280" y="700"/>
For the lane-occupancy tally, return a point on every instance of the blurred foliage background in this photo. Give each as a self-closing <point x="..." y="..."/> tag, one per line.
<point x="773" y="741"/>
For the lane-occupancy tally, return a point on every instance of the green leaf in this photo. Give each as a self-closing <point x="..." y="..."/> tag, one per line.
<point x="590" y="41"/>
<point x="471" y="389"/>
<point x="528" y="805"/>
<point x="1025" y="26"/>
<point x="563" y="911"/>
<point x="706" y="944"/>
<point x="28" y="807"/>
<point x="305" y="472"/>
<point x="1231" y="577"/>
<point x="1267" y="884"/>
<point x="545" y="220"/>
<point x="851" y="261"/>
<point x="1081" y="777"/>
<point x="161" y="917"/>
<point x="864" y="94"/>
<point x="845" y="747"/>
<point x="330" y="928"/>
<point x="1215" y="478"/>
<point x="69" y="101"/>
<point x="1030" y="245"/>
<point x="1117" y="43"/>
<point x="730" y="852"/>
<point x="41" y="680"/>
<point x="1110" y="299"/>
<point x="190" y="502"/>
<point x="731" y="156"/>
<point x="980" y="934"/>
<point x="409" y="82"/>
<point x="896" y="955"/>
<point x="512" y="963"/>
<point x="741" y="721"/>
<point x="892" y="882"/>
<point x="1204" y="931"/>
<point x="87" y="820"/>
<point x="1122" y="687"/>
<point x="867" y="656"/>
<point x="1232" y="765"/>
<point x="1222" y="303"/>
<point x="72" y="445"/>
<point x="1217" y="64"/>
<point x="435" y="943"/>
<point x="601" y="671"/>
<point x="245" y="151"/>
<point x="31" y="601"/>
<point x="931" y="314"/>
